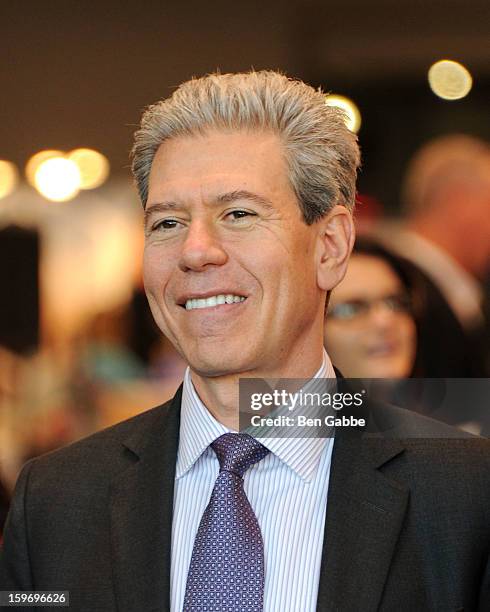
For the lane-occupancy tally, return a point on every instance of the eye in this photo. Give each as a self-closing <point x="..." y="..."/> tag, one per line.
<point x="164" y="225"/>
<point x="348" y="310"/>
<point x="398" y="303"/>
<point x="237" y="215"/>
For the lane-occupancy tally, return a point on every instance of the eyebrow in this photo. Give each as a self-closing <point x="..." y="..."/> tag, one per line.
<point x="157" y="207"/>
<point x="222" y="198"/>
<point x="242" y="194"/>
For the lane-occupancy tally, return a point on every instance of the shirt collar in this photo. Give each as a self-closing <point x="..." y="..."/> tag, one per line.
<point x="199" y="429"/>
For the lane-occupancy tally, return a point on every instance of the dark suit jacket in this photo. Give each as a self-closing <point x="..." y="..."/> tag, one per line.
<point x="4" y="506"/>
<point x="407" y="526"/>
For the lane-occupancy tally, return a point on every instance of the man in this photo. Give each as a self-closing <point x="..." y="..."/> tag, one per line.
<point x="4" y="504"/>
<point x="248" y="182"/>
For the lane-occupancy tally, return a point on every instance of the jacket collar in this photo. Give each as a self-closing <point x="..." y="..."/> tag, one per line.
<point x="141" y="510"/>
<point x="365" y="513"/>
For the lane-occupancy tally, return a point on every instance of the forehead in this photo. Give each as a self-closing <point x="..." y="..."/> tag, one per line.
<point x="204" y="164"/>
<point x="367" y="277"/>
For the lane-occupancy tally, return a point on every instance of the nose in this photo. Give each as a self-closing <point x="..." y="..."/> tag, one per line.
<point x="382" y="316"/>
<point x="201" y="248"/>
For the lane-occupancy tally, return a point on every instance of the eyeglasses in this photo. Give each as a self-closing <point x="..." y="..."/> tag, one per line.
<point x="357" y="309"/>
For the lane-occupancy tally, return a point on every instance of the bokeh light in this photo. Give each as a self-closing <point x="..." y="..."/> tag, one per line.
<point x="58" y="179"/>
<point x="93" y="167"/>
<point x="9" y="177"/>
<point x="36" y="160"/>
<point x="449" y="80"/>
<point x="350" y="109"/>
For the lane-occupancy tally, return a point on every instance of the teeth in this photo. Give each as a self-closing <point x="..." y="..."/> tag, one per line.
<point x="214" y="300"/>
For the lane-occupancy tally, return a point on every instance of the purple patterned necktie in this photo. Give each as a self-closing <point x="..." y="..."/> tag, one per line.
<point x="226" y="573"/>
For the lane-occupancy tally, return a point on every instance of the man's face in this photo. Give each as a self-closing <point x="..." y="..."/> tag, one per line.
<point x="223" y="225"/>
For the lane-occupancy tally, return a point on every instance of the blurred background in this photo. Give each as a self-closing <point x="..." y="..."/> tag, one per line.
<point x="78" y="348"/>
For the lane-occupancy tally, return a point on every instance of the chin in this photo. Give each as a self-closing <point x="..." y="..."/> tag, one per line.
<point x="210" y="366"/>
<point x="390" y="369"/>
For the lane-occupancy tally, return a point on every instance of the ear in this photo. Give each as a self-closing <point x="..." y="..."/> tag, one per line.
<point x="336" y="235"/>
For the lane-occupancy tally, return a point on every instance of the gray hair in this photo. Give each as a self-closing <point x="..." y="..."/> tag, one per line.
<point x="322" y="154"/>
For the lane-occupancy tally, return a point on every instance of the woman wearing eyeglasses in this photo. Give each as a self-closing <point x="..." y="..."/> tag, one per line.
<point x="387" y="320"/>
<point x="370" y="329"/>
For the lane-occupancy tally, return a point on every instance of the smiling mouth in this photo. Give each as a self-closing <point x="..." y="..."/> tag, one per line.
<point x="212" y="301"/>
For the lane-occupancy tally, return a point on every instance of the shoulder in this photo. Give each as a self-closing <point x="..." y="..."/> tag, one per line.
<point x="96" y="458"/>
<point x="394" y="422"/>
<point x="429" y="452"/>
<point x="436" y="461"/>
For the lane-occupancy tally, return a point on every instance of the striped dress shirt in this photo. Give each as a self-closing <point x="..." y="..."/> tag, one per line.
<point x="287" y="491"/>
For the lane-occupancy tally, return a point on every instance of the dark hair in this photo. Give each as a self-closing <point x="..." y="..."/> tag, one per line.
<point x="404" y="270"/>
<point x="440" y="337"/>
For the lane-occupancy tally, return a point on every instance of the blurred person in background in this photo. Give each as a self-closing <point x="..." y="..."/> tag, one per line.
<point x="106" y="356"/>
<point x="446" y="194"/>
<point x="370" y="329"/>
<point x="388" y="319"/>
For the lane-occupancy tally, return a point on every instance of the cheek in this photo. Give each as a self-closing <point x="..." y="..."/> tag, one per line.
<point x="407" y="331"/>
<point x="297" y="286"/>
<point x="155" y="271"/>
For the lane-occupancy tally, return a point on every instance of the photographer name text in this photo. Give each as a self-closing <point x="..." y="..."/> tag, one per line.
<point x="304" y="421"/>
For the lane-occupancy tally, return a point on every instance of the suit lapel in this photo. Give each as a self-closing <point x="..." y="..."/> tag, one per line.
<point x="365" y="512"/>
<point x="141" y="513"/>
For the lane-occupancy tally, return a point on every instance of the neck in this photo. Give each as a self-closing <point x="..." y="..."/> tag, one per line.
<point x="220" y="394"/>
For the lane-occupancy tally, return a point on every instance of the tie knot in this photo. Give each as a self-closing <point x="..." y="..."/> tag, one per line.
<point x="237" y="452"/>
